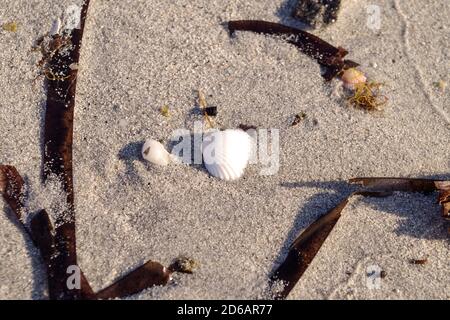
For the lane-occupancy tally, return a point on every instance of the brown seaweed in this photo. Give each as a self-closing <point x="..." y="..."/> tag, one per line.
<point x="58" y="140"/>
<point x="306" y="246"/>
<point x="12" y="189"/>
<point x="40" y="230"/>
<point x="42" y="235"/>
<point x="328" y="56"/>
<point x="58" y="245"/>
<point x="411" y="185"/>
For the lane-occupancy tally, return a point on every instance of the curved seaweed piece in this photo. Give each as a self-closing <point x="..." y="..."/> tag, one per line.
<point x="324" y="53"/>
<point x="12" y="189"/>
<point x="58" y="140"/>
<point x="411" y="185"/>
<point x="148" y="275"/>
<point x="40" y="230"/>
<point x="306" y="246"/>
<point x="58" y="245"/>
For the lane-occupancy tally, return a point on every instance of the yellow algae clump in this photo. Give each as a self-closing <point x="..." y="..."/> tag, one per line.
<point x="10" y="26"/>
<point x="367" y="96"/>
<point x="165" y="111"/>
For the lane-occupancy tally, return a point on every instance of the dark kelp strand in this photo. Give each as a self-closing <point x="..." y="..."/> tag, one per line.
<point x="306" y="246"/>
<point x="308" y="243"/>
<point x="328" y="56"/>
<point x="148" y="275"/>
<point x="58" y="139"/>
<point x="40" y="230"/>
<point x="411" y="185"/>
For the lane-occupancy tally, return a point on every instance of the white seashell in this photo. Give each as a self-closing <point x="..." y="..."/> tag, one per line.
<point x="351" y="77"/>
<point x="226" y="153"/>
<point x="154" y="152"/>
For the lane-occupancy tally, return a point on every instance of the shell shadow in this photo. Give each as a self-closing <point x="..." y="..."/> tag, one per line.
<point x="129" y="155"/>
<point x="188" y="148"/>
<point x="316" y="206"/>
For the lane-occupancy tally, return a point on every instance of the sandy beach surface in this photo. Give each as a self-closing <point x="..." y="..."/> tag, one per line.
<point x="138" y="56"/>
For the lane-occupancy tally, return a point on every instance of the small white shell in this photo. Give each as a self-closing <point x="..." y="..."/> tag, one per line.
<point x="154" y="152"/>
<point x="226" y="153"/>
<point x="352" y="77"/>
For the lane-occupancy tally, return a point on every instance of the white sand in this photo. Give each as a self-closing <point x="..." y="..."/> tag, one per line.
<point x="138" y="57"/>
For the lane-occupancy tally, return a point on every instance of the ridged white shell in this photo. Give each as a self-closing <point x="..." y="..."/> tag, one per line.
<point x="226" y="153"/>
<point x="154" y="152"/>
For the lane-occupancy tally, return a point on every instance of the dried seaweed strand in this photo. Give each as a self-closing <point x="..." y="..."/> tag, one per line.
<point x="411" y="185"/>
<point x="307" y="245"/>
<point x="326" y="54"/>
<point x="41" y="229"/>
<point x="148" y="275"/>
<point x="12" y="190"/>
<point x="58" y="138"/>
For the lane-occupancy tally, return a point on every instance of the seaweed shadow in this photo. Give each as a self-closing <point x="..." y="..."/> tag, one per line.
<point x="316" y="206"/>
<point x="42" y="109"/>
